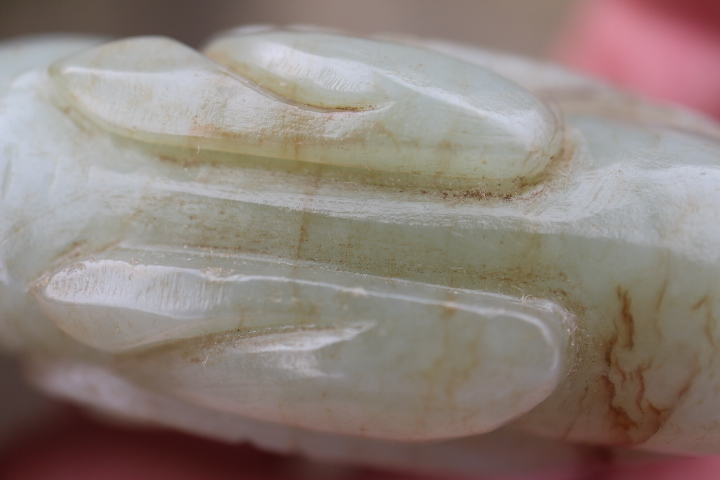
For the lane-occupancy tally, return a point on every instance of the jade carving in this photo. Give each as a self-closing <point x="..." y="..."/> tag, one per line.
<point x="308" y="239"/>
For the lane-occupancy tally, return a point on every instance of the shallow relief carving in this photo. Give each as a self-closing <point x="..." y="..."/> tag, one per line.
<point x="303" y="238"/>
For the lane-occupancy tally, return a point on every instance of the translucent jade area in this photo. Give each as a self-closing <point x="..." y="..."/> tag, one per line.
<point x="355" y="103"/>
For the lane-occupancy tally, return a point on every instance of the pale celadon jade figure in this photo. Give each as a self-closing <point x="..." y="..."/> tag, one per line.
<point x="412" y="253"/>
